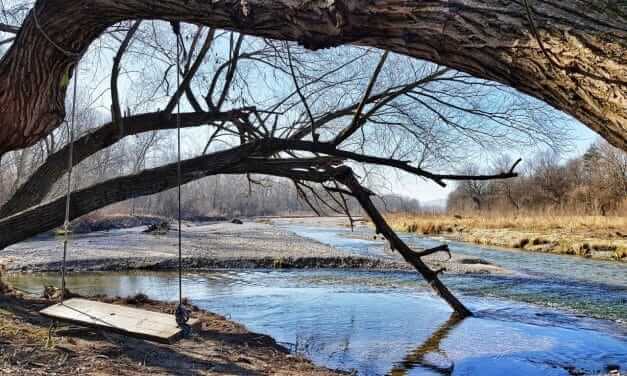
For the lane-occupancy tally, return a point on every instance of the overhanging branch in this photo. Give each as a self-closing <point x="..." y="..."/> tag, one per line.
<point x="47" y="216"/>
<point x="37" y="187"/>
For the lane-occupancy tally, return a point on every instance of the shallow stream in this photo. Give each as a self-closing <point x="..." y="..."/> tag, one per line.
<point x="540" y="321"/>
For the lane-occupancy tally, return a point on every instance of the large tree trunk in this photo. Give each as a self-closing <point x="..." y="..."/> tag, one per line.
<point x="585" y="77"/>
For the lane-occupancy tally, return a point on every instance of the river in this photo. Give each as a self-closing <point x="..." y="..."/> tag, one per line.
<point x="555" y="315"/>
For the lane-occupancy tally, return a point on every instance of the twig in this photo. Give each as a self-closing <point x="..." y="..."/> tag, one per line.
<point x="430" y="251"/>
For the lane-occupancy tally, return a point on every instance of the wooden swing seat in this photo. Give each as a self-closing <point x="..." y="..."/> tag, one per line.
<point x="133" y="322"/>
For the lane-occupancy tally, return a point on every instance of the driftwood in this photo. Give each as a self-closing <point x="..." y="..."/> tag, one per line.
<point x="160" y="228"/>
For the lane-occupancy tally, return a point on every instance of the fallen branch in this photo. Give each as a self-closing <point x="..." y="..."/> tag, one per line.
<point x="363" y="196"/>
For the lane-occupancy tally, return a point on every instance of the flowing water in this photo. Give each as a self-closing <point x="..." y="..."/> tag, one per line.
<point x="540" y="321"/>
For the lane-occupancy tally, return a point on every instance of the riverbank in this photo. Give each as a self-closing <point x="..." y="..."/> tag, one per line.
<point x="222" y="347"/>
<point x="603" y="238"/>
<point x="333" y="316"/>
<point x="218" y="347"/>
<point x="218" y="245"/>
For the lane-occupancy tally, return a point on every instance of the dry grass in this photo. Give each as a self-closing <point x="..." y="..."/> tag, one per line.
<point x="430" y="224"/>
<point x="588" y="236"/>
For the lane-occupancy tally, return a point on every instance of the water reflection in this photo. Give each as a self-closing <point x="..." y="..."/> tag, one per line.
<point x="417" y="357"/>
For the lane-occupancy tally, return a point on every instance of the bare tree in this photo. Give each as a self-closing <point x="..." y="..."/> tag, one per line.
<point x="254" y="107"/>
<point x="593" y="183"/>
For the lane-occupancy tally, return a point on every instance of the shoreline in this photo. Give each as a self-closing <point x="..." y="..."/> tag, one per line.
<point x="534" y="243"/>
<point x="220" y="346"/>
<point x="353" y="263"/>
<point x="252" y="245"/>
<point x="202" y="264"/>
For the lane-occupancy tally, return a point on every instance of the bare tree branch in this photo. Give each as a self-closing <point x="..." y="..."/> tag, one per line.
<point x="300" y="93"/>
<point x="9" y="28"/>
<point x="187" y="79"/>
<point x="363" y="196"/>
<point x="35" y="189"/>
<point x="355" y="124"/>
<point x="116" y="112"/>
<point x="233" y="161"/>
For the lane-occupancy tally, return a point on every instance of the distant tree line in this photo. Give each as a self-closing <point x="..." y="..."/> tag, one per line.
<point x="247" y="196"/>
<point x="594" y="183"/>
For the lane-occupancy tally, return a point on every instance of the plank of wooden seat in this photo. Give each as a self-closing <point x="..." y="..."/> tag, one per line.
<point x="154" y="326"/>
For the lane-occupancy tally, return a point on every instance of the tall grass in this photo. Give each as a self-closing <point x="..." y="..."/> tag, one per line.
<point x="433" y="224"/>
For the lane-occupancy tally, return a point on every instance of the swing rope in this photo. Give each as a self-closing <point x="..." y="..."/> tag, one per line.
<point x="182" y="314"/>
<point x="70" y="128"/>
<point x="66" y="224"/>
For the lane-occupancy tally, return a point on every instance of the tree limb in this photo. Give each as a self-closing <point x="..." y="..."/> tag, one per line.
<point x="116" y="112"/>
<point x="37" y="187"/>
<point x="187" y="79"/>
<point x="355" y="124"/>
<point x="363" y="196"/>
<point x="47" y="216"/>
<point x="9" y="28"/>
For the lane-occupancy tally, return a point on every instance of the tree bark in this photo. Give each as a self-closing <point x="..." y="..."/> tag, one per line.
<point x="580" y="68"/>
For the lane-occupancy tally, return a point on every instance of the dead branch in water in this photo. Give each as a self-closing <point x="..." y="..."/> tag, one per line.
<point x="363" y="195"/>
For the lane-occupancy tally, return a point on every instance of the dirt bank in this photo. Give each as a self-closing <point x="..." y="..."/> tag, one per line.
<point x="219" y="347"/>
